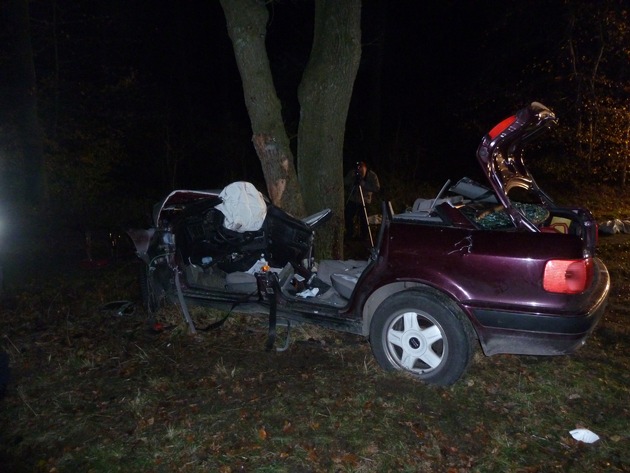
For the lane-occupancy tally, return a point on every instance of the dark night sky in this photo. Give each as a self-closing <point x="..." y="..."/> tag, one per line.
<point x="450" y="70"/>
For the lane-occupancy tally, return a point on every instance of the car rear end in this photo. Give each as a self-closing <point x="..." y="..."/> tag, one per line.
<point x="551" y="303"/>
<point x="538" y="293"/>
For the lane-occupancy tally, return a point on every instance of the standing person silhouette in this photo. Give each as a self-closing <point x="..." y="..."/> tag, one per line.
<point x="362" y="184"/>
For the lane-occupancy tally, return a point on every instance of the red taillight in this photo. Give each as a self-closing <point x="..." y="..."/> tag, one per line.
<point x="568" y="276"/>
<point x="498" y="129"/>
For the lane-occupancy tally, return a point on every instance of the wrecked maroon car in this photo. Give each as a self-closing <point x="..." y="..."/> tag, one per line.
<point x="497" y="266"/>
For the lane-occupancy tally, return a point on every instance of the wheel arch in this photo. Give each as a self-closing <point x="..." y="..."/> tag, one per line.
<point x="376" y="299"/>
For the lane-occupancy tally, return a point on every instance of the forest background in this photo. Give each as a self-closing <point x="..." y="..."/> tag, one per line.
<point x="114" y="103"/>
<point x="107" y="106"/>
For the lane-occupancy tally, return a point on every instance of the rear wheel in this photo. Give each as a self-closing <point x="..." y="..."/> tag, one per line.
<point x="421" y="333"/>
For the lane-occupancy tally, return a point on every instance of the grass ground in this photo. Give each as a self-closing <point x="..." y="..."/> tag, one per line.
<point x="95" y="392"/>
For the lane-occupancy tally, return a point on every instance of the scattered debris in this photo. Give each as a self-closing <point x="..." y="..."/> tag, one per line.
<point x="615" y="226"/>
<point x="119" y="308"/>
<point x="584" y="435"/>
<point x="312" y="292"/>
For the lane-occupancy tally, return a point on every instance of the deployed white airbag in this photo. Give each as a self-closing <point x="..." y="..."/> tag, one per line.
<point x="243" y="206"/>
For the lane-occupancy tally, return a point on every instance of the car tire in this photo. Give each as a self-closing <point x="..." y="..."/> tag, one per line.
<point x="423" y="333"/>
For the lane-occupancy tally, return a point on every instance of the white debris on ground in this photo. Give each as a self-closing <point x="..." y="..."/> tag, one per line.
<point x="615" y="226"/>
<point x="584" y="435"/>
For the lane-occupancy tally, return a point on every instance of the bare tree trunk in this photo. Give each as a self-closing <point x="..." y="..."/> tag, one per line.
<point x="324" y="96"/>
<point x="247" y="27"/>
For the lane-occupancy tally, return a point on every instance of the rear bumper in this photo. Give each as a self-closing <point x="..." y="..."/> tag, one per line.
<point x="522" y="333"/>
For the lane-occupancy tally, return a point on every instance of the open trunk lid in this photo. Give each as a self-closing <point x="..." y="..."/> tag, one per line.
<point x="500" y="155"/>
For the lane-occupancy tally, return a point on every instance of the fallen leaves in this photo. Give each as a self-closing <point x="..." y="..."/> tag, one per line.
<point x="229" y="408"/>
